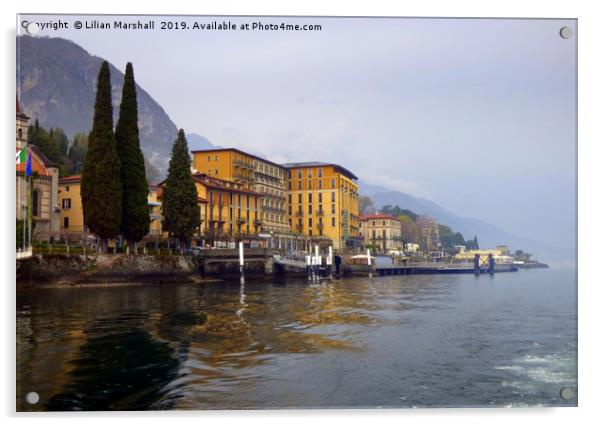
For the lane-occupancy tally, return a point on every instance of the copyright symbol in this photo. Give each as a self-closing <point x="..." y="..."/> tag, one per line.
<point x="77" y="25"/>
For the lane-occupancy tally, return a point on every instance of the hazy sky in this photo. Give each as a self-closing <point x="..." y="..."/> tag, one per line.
<point x="476" y="115"/>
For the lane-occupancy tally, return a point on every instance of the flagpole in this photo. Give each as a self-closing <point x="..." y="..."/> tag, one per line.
<point x="29" y="215"/>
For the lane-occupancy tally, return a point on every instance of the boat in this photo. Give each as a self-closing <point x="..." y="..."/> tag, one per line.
<point x="360" y="264"/>
<point x="293" y="263"/>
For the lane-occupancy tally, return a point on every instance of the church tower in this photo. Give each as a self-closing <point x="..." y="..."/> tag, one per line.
<point x="22" y="127"/>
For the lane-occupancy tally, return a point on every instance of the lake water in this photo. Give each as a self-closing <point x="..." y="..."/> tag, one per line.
<point x="405" y="341"/>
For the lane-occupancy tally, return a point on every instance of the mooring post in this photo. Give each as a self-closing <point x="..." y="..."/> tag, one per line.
<point x="317" y="261"/>
<point x="241" y="260"/>
<point x="369" y="262"/>
<point x="308" y="266"/>
<point x="491" y="264"/>
<point x="477" y="264"/>
<point x="329" y="262"/>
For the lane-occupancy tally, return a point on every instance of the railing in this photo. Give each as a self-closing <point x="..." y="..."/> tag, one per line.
<point x="243" y="163"/>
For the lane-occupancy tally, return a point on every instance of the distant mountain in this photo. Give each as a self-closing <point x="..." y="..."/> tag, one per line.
<point x="196" y="142"/>
<point x="489" y="235"/>
<point x="57" y="82"/>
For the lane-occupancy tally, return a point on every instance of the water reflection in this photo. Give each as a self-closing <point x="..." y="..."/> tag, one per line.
<point x="118" y="371"/>
<point x="259" y="345"/>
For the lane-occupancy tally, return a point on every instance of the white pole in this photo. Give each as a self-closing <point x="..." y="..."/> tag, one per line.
<point x="317" y="248"/>
<point x="241" y="257"/>
<point x="330" y="255"/>
<point x="369" y="258"/>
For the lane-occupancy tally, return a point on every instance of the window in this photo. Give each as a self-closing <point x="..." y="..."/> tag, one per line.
<point x="320" y="172"/>
<point x="215" y="171"/>
<point x="310" y="198"/>
<point x="319" y="183"/>
<point x="299" y="174"/>
<point x="309" y="209"/>
<point x="332" y="196"/>
<point x="309" y="174"/>
<point x="333" y="183"/>
<point x="66" y="203"/>
<point x="35" y="200"/>
<point x="310" y="223"/>
<point x="333" y="209"/>
<point x="309" y="184"/>
<point x="299" y="196"/>
<point x="290" y="185"/>
<point x="66" y="222"/>
<point x="320" y="197"/>
<point x="20" y="134"/>
<point x="67" y="188"/>
<point x="299" y="185"/>
<point x="290" y="198"/>
<point x="333" y="221"/>
<point x="208" y="158"/>
<point x="216" y="158"/>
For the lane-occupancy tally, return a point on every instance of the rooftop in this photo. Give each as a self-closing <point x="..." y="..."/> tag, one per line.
<point x="377" y="216"/>
<point x="215" y="183"/>
<point x="236" y="150"/>
<point x="337" y="167"/>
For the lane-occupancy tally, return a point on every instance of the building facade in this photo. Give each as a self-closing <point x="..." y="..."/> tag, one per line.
<point x="382" y="231"/>
<point x="72" y="212"/>
<point x="323" y="201"/>
<point x="253" y="173"/>
<point x="70" y="201"/>
<point x="229" y="211"/>
<point x="38" y="191"/>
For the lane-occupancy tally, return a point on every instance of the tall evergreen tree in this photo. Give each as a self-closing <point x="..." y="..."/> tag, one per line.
<point x="101" y="186"/>
<point x="181" y="215"/>
<point x="135" y="221"/>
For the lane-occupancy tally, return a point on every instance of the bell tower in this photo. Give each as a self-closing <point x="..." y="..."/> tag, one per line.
<point x="22" y="127"/>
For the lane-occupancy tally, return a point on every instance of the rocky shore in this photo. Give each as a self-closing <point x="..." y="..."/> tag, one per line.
<point x="64" y="270"/>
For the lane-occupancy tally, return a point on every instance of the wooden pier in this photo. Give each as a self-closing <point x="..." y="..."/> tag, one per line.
<point x="443" y="269"/>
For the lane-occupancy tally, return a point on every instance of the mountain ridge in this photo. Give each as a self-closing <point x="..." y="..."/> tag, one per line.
<point x="57" y="82"/>
<point x="489" y="235"/>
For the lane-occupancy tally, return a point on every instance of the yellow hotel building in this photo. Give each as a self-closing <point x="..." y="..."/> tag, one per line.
<point x="229" y="210"/>
<point x="254" y="173"/>
<point x="323" y="201"/>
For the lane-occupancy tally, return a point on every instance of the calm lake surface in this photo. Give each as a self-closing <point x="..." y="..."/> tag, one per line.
<point x="405" y="341"/>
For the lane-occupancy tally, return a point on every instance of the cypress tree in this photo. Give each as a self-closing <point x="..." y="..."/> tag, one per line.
<point x="100" y="184"/>
<point x="135" y="220"/>
<point x="180" y="208"/>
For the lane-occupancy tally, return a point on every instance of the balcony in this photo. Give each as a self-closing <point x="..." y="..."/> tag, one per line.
<point x="244" y="164"/>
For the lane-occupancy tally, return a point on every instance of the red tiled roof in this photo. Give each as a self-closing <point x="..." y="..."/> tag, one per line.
<point x="19" y="113"/>
<point x="70" y="179"/>
<point x="377" y="216"/>
<point x="221" y="184"/>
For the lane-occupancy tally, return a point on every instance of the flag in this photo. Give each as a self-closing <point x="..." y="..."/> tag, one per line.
<point x="28" y="166"/>
<point x="21" y="156"/>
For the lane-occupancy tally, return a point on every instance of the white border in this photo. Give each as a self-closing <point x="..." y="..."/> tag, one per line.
<point x="590" y="116"/>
